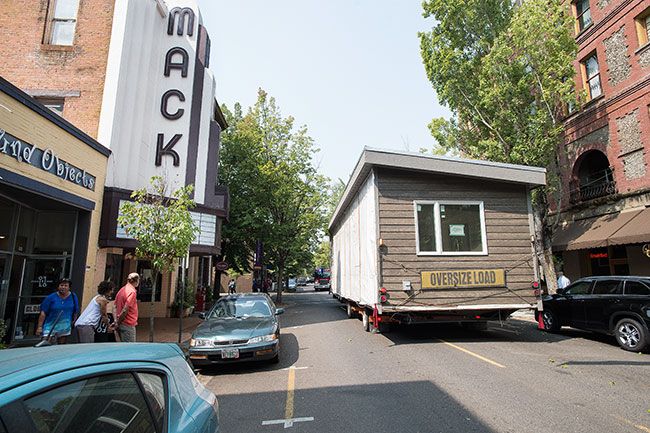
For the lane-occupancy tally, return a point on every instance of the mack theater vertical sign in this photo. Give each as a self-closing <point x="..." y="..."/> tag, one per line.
<point x="177" y="62"/>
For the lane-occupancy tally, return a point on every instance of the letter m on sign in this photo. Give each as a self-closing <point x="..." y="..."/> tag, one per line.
<point x="181" y="13"/>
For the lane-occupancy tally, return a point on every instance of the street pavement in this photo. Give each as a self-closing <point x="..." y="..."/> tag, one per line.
<point x="334" y="377"/>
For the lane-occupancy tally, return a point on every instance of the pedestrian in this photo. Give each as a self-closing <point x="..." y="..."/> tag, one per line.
<point x="126" y="308"/>
<point x="59" y="310"/>
<point x="562" y="281"/>
<point x="95" y="314"/>
<point x="232" y="286"/>
<point x="267" y="285"/>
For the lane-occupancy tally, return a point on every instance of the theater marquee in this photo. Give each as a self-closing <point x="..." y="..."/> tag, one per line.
<point x="463" y="279"/>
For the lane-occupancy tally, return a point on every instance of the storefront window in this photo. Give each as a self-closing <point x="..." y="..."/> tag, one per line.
<point x="147" y="277"/>
<point x="55" y="232"/>
<point x="7" y="209"/>
<point x="113" y="272"/>
<point x="450" y="228"/>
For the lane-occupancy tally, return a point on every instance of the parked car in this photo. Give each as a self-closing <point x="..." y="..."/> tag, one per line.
<point x="301" y="281"/>
<point x="239" y="327"/>
<point x="618" y="306"/>
<point x="116" y="387"/>
<point x="292" y="284"/>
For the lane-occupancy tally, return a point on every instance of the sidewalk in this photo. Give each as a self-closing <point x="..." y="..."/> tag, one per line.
<point x="166" y="329"/>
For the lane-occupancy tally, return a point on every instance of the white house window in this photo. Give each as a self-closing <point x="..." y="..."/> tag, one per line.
<point x="62" y="22"/>
<point x="450" y="228"/>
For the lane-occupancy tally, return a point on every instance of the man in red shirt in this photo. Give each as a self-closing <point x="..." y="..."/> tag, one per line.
<point x="126" y="306"/>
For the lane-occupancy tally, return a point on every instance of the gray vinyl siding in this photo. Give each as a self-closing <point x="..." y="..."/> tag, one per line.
<point x="507" y="229"/>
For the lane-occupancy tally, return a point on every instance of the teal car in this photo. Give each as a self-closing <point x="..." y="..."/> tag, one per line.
<point x="107" y="388"/>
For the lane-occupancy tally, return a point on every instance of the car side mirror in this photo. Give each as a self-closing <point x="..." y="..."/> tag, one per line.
<point x="279" y="311"/>
<point x="202" y="316"/>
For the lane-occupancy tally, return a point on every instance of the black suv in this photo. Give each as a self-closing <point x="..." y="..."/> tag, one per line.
<point x="617" y="306"/>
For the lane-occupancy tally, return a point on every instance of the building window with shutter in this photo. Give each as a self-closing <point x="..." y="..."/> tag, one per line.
<point x="591" y="77"/>
<point x="61" y="22"/>
<point x="583" y="15"/>
<point x="643" y="27"/>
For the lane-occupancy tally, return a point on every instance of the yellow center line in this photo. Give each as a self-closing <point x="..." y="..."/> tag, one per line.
<point x="637" y="426"/>
<point x="288" y="411"/>
<point x="475" y="355"/>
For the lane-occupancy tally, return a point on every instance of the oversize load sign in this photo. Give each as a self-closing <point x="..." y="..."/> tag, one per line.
<point x="463" y="279"/>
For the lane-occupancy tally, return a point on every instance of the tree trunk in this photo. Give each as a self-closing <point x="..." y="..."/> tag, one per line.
<point x="544" y="248"/>
<point x="278" y="296"/>
<point x="153" y="300"/>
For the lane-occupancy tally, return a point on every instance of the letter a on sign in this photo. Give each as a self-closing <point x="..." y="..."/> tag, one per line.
<point x="167" y="149"/>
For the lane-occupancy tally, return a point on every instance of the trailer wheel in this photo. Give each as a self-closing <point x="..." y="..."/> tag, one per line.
<point x="365" y="320"/>
<point x="349" y="310"/>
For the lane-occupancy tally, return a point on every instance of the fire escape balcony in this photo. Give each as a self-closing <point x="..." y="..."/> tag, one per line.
<point x="592" y="191"/>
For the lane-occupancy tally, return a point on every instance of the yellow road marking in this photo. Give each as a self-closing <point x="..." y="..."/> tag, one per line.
<point x="288" y="410"/>
<point x="475" y="355"/>
<point x="638" y="426"/>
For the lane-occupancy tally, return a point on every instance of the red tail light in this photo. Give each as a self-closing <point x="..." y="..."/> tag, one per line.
<point x="383" y="295"/>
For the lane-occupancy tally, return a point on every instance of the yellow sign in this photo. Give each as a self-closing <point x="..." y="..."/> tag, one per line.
<point x="463" y="279"/>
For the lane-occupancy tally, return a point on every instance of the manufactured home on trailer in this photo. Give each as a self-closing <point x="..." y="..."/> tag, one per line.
<point x="419" y="238"/>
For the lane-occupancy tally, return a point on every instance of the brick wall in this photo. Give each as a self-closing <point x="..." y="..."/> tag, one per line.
<point x="618" y="122"/>
<point x="36" y="67"/>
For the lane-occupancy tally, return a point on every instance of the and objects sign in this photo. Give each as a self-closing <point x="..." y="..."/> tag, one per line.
<point x="459" y="279"/>
<point x="44" y="159"/>
<point x="222" y="266"/>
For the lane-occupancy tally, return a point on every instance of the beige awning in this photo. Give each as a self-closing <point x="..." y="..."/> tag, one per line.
<point x="634" y="232"/>
<point x="591" y="232"/>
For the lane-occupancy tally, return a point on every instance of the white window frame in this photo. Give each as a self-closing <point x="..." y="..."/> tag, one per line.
<point x="438" y="228"/>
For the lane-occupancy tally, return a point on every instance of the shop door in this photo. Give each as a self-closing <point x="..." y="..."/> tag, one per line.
<point x="39" y="279"/>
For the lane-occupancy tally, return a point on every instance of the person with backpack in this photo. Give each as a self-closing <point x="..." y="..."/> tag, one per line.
<point x="59" y="311"/>
<point x="95" y="314"/>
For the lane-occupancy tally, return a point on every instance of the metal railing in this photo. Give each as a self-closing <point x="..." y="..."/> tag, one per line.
<point x="592" y="191"/>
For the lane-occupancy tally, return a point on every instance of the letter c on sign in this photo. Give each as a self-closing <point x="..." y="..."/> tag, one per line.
<point x="163" y="104"/>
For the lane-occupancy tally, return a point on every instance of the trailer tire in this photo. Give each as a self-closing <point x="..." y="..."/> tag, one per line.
<point x="349" y="310"/>
<point x="365" y="320"/>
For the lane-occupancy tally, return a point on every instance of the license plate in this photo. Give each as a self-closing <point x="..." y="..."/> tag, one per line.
<point x="230" y="353"/>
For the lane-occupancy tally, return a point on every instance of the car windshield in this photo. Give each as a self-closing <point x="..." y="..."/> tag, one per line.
<point x="240" y="307"/>
<point x="325" y="275"/>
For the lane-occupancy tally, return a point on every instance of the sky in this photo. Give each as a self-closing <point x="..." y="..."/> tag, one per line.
<point x="348" y="69"/>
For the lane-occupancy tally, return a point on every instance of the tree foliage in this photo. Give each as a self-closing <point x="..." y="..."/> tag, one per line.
<point x="160" y="221"/>
<point x="505" y="69"/>
<point x="277" y="196"/>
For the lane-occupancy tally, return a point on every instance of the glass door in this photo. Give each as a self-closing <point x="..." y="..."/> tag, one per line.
<point x="39" y="279"/>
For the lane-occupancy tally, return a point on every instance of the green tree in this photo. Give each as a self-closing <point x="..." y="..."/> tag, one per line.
<point x="277" y="195"/>
<point x="160" y="221"/>
<point x="323" y="255"/>
<point x="507" y="80"/>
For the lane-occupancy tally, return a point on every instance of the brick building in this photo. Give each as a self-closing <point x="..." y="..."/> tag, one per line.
<point x="134" y="75"/>
<point x="605" y="207"/>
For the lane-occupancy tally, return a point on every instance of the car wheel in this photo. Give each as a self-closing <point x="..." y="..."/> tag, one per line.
<point x="630" y="335"/>
<point x="350" y="311"/>
<point x="551" y="323"/>
<point x="365" y="320"/>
